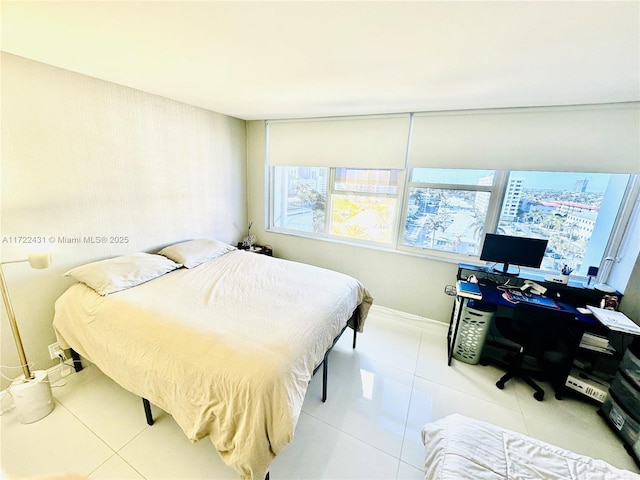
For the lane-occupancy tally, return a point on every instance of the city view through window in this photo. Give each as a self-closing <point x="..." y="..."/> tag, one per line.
<point x="446" y="210"/>
<point x="561" y="207"/>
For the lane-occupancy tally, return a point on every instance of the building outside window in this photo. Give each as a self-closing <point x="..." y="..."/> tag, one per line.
<point x="447" y="209"/>
<point x="576" y="212"/>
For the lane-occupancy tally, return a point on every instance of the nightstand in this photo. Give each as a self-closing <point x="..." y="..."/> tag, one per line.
<point x="259" y="249"/>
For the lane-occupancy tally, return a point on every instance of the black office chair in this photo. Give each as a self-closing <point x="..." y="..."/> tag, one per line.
<point x="526" y="337"/>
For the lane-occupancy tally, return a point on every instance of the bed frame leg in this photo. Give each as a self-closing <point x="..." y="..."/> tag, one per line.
<point x="77" y="363"/>
<point x="267" y="476"/>
<point x="355" y="334"/>
<point x="325" y="374"/>
<point x="147" y="411"/>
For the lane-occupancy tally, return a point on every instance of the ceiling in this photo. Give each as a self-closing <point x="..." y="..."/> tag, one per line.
<point x="265" y="60"/>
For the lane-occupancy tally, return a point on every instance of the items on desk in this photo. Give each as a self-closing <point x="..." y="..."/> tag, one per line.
<point x="616" y="321"/>
<point x="563" y="278"/>
<point x="468" y="289"/>
<point x="592" y="273"/>
<point x="610" y="302"/>
<point x="534" y="287"/>
<point x="517" y="296"/>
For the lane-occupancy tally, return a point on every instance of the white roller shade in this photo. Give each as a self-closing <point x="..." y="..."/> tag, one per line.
<point x="603" y="138"/>
<point x="357" y="142"/>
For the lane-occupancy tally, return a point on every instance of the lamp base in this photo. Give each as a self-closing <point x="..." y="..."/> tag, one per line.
<point x="32" y="398"/>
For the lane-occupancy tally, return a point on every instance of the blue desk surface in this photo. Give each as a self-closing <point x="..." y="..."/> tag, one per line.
<point x="537" y="277"/>
<point x="492" y="295"/>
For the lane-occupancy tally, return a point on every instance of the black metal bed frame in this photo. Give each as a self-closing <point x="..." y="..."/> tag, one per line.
<point x="355" y="319"/>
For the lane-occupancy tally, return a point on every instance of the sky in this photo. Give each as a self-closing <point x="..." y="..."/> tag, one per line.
<point x="563" y="180"/>
<point x="535" y="180"/>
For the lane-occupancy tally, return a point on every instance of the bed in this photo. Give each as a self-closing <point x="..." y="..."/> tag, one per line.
<point x="226" y="342"/>
<point x="458" y="447"/>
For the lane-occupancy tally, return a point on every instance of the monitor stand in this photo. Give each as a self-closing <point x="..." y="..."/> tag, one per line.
<point x="505" y="271"/>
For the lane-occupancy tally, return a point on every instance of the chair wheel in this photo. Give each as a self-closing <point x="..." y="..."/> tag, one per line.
<point x="538" y="396"/>
<point x="500" y="384"/>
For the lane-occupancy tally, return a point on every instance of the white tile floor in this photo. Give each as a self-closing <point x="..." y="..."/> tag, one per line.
<point x="380" y="395"/>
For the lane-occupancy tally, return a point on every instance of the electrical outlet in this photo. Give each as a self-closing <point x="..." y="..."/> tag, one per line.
<point x="54" y="349"/>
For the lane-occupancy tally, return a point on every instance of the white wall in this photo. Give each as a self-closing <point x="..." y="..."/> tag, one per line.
<point x="83" y="157"/>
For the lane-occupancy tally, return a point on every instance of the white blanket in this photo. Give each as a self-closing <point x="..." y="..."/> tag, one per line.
<point x="457" y="447"/>
<point x="227" y="348"/>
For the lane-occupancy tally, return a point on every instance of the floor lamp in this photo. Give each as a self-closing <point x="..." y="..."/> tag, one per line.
<point x="31" y="391"/>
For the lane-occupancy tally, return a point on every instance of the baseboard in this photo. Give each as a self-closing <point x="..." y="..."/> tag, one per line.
<point x="407" y="318"/>
<point x="55" y="373"/>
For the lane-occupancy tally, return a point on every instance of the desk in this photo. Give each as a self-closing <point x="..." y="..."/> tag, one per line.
<point x="568" y="297"/>
<point x="573" y="294"/>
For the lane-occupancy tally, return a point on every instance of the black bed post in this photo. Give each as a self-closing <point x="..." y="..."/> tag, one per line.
<point x="356" y="325"/>
<point x="147" y="411"/>
<point x="77" y="363"/>
<point x="325" y="375"/>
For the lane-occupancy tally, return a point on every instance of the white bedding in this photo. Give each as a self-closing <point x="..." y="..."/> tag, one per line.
<point x="227" y="348"/>
<point x="457" y="447"/>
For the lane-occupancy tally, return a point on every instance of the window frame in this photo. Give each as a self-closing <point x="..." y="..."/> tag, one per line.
<point x="496" y="195"/>
<point x="270" y="200"/>
<point x="330" y="201"/>
<point x="329" y="204"/>
<point x="497" y="191"/>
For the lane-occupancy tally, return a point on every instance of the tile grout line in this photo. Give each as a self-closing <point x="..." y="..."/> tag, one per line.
<point x="406" y="420"/>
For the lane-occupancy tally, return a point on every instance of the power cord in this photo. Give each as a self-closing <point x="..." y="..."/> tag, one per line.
<point x="30" y="365"/>
<point x="65" y="368"/>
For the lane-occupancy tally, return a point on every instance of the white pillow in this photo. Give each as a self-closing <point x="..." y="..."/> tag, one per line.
<point x="119" y="273"/>
<point x="194" y="252"/>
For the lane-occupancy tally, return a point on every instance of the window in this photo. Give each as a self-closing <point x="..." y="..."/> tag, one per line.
<point x="447" y="209"/>
<point x="412" y="183"/>
<point x="363" y="203"/>
<point x="299" y="198"/>
<point x="446" y="212"/>
<point x="576" y="212"/>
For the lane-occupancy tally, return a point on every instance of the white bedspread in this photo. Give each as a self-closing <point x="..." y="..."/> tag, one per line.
<point x="457" y="447"/>
<point x="227" y="348"/>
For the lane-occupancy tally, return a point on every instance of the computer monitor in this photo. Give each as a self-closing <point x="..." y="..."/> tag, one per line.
<point x="509" y="250"/>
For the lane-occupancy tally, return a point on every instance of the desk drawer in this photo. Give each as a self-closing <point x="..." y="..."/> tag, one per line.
<point x="630" y="365"/>
<point x="627" y="427"/>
